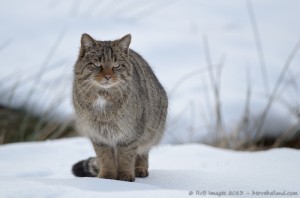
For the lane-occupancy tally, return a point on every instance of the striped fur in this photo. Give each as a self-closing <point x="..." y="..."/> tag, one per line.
<point x="86" y="168"/>
<point x="120" y="106"/>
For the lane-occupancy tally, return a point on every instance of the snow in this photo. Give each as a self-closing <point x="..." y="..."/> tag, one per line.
<point x="43" y="169"/>
<point x="38" y="48"/>
<point x="42" y="38"/>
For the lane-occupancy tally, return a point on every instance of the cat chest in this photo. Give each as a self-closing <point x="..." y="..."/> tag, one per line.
<point x="109" y="133"/>
<point x="100" y="103"/>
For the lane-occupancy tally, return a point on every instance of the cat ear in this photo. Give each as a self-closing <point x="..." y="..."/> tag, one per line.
<point x="87" y="41"/>
<point x="124" y="42"/>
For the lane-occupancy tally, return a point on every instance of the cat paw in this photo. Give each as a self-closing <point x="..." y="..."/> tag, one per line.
<point x="107" y="175"/>
<point x="141" y="172"/>
<point x="126" y="176"/>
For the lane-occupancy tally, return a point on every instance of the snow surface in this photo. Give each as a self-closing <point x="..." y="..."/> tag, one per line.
<point x="42" y="169"/>
<point x="169" y="35"/>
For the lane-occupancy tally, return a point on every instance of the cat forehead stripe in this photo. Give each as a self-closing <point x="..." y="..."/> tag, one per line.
<point x="107" y="53"/>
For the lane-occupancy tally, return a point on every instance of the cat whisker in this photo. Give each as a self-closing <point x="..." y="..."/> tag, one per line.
<point x="83" y="88"/>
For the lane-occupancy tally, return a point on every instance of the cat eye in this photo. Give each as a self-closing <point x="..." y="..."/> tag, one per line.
<point x="117" y="66"/>
<point x="97" y="65"/>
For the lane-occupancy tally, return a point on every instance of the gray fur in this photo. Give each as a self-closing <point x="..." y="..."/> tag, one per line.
<point x="119" y="103"/>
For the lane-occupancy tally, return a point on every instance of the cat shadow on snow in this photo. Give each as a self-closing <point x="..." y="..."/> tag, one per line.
<point x="158" y="179"/>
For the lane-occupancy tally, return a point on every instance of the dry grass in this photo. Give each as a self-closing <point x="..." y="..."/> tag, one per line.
<point x="21" y="123"/>
<point x="15" y="128"/>
<point x="248" y="133"/>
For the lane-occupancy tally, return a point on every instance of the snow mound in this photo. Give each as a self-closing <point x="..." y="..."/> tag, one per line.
<point x="44" y="170"/>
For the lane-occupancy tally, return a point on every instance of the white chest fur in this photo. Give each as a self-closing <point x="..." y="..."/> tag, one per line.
<point x="100" y="102"/>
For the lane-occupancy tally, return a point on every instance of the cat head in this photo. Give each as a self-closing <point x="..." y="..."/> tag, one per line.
<point x="104" y="63"/>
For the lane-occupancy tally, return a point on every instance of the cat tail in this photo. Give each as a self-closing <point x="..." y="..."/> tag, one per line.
<point x="86" y="168"/>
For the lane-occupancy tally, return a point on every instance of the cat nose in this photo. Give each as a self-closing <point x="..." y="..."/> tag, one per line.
<point x="107" y="77"/>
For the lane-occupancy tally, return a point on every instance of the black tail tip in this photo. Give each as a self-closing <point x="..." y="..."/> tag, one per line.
<point x="79" y="169"/>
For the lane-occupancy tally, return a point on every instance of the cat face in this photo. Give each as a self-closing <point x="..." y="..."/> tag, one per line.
<point x="104" y="63"/>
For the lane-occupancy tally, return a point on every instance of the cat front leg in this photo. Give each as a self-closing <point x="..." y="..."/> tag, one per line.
<point x="126" y="162"/>
<point x="106" y="161"/>
<point x="141" y="165"/>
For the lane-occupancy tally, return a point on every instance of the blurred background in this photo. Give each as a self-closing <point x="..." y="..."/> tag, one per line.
<point x="230" y="68"/>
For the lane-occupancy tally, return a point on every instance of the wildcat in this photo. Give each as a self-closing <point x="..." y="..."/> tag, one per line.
<point x="120" y="105"/>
